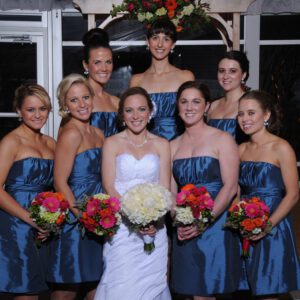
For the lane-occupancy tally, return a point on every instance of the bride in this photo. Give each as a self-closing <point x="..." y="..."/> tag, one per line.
<point x="132" y="157"/>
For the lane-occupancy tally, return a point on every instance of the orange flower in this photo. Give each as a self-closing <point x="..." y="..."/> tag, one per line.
<point x="171" y="5"/>
<point x="171" y="14"/>
<point x="84" y="215"/>
<point x="258" y="222"/>
<point x="60" y="220"/>
<point x="188" y="187"/>
<point x="255" y="200"/>
<point x="179" y="28"/>
<point x="248" y="224"/>
<point x="105" y="212"/>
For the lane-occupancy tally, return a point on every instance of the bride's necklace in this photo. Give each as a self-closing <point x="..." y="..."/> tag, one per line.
<point x="136" y="145"/>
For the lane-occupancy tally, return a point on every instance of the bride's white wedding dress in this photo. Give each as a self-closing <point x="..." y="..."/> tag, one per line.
<point x="130" y="273"/>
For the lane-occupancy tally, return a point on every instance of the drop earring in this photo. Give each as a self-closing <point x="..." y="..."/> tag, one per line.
<point x="86" y="72"/>
<point x="266" y="123"/>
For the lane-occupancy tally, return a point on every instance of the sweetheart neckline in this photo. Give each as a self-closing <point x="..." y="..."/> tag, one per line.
<point x="135" y="158"/>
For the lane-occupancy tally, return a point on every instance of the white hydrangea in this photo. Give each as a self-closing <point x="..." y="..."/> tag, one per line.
<point x="184" y="215"/>
<point x="145" y="203"/>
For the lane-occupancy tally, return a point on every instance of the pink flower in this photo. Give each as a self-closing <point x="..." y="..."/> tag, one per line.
<point x="251" y="210"/>
<point x="108" y="221"/>
<point x="51" y="204"/>
<point x="130" y="7"/>
<point x="181" y="197"/>
<point x="114" y="204"/>
<point x="64" y="205"/>
<point x="208" y="202"/>
<point x="92" y="207"/>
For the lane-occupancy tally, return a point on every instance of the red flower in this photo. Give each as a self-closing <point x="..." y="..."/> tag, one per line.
<point x="171" y="5"/>
<point x="130" y="7"/>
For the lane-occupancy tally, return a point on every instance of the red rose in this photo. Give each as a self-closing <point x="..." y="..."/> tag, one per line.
<point x="130" y="7"/>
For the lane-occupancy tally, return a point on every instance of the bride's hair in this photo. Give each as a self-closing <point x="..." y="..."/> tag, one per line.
<point x="130" y="92"/>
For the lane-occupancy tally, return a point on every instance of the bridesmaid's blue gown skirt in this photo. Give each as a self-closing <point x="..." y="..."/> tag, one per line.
<point x="22" y="268"/>
<point x="75" y="259"/>
<point x="273" y="266"/>
<point x="205" y="265"/>
<point x="106" y="121"/>
<point x="166" y="122"/>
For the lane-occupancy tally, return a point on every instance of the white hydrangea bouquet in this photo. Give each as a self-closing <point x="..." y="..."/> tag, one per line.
<point x="143" y="205"/>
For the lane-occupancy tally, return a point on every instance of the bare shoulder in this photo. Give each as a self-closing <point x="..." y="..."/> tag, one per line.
<point x="242" y="148"/>
<point x="11" y="141"/>
<point x="159" y="141"/>
<point x="113" y="141"/>
<point x="185" y="75"/>
<point x="136" y="79"/>
<point x="50" y="141"/>
<point x="282" y="148"/>
<point x="214" y="104"/>
<point x="70" y="135"/>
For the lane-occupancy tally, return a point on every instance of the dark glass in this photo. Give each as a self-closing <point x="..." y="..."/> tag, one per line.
<point x="73" y="27"/>
<point x="280" y="75"/>
<point x="17" y="66"/>
<point x="20" y="18"/>
<point x="7" y="125"/>
<point x="280" y="27"/>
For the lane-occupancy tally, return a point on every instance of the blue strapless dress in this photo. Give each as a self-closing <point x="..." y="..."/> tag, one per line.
<point x="22" y="268"/>
<point x="107" y="121"/>
<point x="204" y="265"/>
<point x="273" y="266"/>
<point x="230" y="126"/>
<point x="166" y="122"/>
<point x="75" y="259"/>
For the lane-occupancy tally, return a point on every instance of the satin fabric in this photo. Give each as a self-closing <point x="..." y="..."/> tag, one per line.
<point x="22" y="268"/>
<point x="75" y="259"/>
<point x="129" y="272"/>
<point x="204" y="265"/>
<point x="230" y="126"/>
<point x="165" y="122"/>
<point x="273" y="266"/>
<point x="107" y="121"/>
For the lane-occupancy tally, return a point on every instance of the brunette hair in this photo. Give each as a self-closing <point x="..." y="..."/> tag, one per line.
<point x="64" y="87"/>
<point x="268" y="103"/>
<point x="36" y="90"/>
<point x="94" y="38"/>
<point x="130" y="92"/>
<point x="163" y="26"/>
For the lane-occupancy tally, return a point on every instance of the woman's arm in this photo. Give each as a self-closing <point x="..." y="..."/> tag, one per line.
<point x="229" y="166"/>
<point x="66" y="149"/>
<point x="109" y="154"/>
<point x="165" y="163"/>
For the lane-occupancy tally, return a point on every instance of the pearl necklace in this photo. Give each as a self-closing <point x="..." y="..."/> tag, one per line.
<point x="136" y="145"/>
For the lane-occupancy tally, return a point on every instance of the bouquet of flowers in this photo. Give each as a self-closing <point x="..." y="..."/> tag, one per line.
<point x="49" y="210"/>
<point x="185" y="14"/>
<point x="250" y="217"/>
<point x="194" y="206"/>
<point x="99" y="214"/>
<point x="145" y="204"/>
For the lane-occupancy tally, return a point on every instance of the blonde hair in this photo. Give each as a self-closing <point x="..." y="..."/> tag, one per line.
<point x="64" y="87"/>
<point x="25" y="90"/>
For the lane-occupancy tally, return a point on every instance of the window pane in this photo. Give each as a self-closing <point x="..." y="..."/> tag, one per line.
<point x="7" y="125"/>
<point x="74" y="26"/>
<point x="19" y="66"/>
<point x="280" y="27"/>
<point x="280" y="75"/>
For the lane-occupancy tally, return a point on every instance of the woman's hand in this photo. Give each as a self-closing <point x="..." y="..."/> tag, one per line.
<point x="187" y="232"/>
<point x="42" y="234"/>
<point x="149" y="230"/>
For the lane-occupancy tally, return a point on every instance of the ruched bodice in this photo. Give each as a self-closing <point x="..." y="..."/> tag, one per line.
<point x="130" y="273"/>
<point x="231" y="126"/>
<point x="21" y="263"/>
<point x="107" y="121"/>
<point x="71" y="259"/>
<point x="201" y="265"/>
<point x="273" y="266"/>
<point x="165" y="122"/>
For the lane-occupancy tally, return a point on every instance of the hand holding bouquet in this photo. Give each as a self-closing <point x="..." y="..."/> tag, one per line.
<point x="194" y="206"/>
<point x="251" y="218"/>
<point x="145" y="204"/>
<point x="99" y="214"/>
<point x="49" y="211"/>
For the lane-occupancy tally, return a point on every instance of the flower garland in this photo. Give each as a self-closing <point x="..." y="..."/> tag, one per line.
<point x="186" y="15"/>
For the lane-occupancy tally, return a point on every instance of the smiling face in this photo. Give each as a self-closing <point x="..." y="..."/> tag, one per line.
<point x="136" y="113"/>
<point x="34" y="112"/>
<point x="251" y="116"/>
<point x="191" y="106"/>
<point x="100" y="65"/>
<point x="230" y="74"/>
<point x="160" y="45"/>
<point x="79" y="102"/>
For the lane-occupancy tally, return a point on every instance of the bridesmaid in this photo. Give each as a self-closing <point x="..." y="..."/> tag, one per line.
<point x="162" y="79"/>
<point x="98" y="66"/>
<point x="268" y="171"/>
<point x="26" y="169"/>
<point x="204" y="265"/>
<point x="76" y="262"/>
<point x="233" y="72"/>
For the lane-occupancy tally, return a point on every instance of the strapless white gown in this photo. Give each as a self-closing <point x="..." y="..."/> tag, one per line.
<point x="130" y="273"/>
